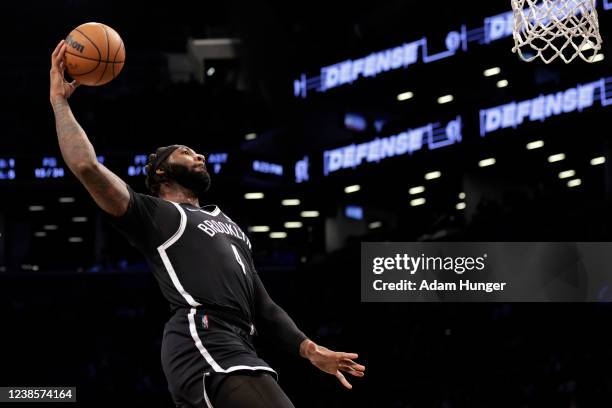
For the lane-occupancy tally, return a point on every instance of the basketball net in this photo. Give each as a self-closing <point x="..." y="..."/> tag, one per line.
<point x="551" y="29"/>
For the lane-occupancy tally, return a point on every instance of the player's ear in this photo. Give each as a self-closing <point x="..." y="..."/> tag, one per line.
<point x="159" y="171"/>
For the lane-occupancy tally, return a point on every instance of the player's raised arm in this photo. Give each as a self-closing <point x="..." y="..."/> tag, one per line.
<point x="106" y="188"/>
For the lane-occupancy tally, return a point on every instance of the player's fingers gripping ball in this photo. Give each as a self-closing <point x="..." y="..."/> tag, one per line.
<point x="95" y="54"/>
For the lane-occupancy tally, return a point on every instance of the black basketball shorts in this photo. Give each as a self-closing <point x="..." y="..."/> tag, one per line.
<point x="196" y="347"/>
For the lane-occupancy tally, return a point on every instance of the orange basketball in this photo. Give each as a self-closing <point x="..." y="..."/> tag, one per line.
<point x="95" y="54"/>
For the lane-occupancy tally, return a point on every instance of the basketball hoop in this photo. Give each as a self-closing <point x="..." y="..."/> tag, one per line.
<point x="551" y="29"/>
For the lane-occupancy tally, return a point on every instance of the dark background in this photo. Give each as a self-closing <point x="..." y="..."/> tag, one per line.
<point x="90" y="315"/>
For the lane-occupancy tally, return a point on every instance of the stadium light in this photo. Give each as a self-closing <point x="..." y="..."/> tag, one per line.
<point x="259" y="228"/>
<point x="598" y="160"/>
<point x="374" y="225"/>
<point x="309" y="214"/>
<point x="462" y="196"/>
<point x="50" y="227"/>
<point x="65" y="200"/>
<point x="536" y="144"/>
<point x="79" y="219"/>
<point x="278" y="235"/>
<point x="417" y="201"/>
<point x="352" y="189"/>
<point x="574" y="183"/>
<point x="567" y="174"/>
<point x="432" y="175"/>
<point x="503" y="83"/>
<point x="404" y="96"/>
<point x="40" y="234"/>
<point x="492" y="71"/>
<point x="36" y="208"/>
<point x="290" y="202"/>
<point x="75" y="239"/>
<point x="556" y="158"/>
<point x="293" y="224"/>
<point x="487" y="162"/>
<point x="254" y="196"/>
<point x="460" y="206"/>
<point x="416" y="190"/>
<point x="445" y="99"/>
<point x="250" y="136"/>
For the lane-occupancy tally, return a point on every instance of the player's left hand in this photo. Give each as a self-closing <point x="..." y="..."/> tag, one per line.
<point x="332" y="362"/>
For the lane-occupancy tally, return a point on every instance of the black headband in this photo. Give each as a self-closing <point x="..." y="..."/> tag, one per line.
<point x="162" y="154"/>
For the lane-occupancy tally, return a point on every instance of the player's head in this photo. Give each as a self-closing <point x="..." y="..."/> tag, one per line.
<point x="177" y="164"/>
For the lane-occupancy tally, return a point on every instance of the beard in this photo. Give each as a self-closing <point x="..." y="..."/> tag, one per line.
<point x="196" y="181"/>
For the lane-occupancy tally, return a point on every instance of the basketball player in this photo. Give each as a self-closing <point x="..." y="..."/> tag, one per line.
<point x="203" y="263"/>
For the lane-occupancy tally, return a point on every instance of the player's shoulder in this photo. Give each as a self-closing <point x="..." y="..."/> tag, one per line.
<point x="225" y="216"/>
<point x="149" y="198"/>
<point x="154" y="204"/>
<point x="214" y="211"/>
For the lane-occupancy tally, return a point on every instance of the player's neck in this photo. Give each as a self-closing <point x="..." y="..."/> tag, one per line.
<point x="178" y="194"/>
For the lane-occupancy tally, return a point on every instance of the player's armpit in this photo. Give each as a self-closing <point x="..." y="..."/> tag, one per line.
<point x="105" y="187"/>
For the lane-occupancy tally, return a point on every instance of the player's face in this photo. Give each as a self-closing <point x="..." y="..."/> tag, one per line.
<point x="188" y="158"/>
<point x="188" y="169"/>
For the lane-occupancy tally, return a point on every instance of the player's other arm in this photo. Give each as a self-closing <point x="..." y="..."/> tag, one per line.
<point x="106" y="188"/>
<point x="277" y="321"/>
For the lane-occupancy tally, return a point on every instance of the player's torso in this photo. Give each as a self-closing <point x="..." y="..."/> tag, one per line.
<point x="211" y="257"/>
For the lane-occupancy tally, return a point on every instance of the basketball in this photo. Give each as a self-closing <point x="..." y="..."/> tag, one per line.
<point x="95" y="54"/>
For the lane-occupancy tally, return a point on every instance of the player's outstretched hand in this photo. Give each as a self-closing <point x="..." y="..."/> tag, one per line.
<point x="332" y="362"/>
<point x="59" y="86"/>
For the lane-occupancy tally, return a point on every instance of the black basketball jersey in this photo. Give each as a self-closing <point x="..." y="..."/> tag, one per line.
<point x="198" y="255"/>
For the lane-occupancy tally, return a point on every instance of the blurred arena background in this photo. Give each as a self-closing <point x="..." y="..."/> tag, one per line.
<point x="387" y="120"/>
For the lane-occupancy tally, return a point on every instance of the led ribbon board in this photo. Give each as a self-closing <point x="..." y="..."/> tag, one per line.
<point x="267" y="168"/>
<point x="434" y="135"/>
<point x="7" y="169"/>
<point x="137" y="168"/>
<point x="49" y="169"/>
<point x="494" y="28"/>
<point x="217" y="160"/>
<point x="516" y="113"/>
<point x="354" y="212"/>
<point x="301" y="170"/>
<point x="437" y="135"/>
